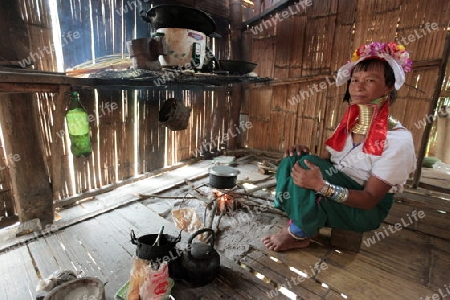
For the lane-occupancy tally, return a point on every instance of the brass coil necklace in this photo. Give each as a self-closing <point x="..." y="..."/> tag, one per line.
<point x="364" y="120"/>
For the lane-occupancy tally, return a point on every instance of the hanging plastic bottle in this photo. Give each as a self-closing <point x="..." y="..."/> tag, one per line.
<point x="78" y="126"/>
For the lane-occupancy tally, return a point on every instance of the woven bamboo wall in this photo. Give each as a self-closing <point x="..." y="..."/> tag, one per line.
<point x="310" y="45"/>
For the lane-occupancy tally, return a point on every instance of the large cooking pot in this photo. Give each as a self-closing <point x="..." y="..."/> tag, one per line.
<point x="223" y="177"/>
<point x="179" y="16"/>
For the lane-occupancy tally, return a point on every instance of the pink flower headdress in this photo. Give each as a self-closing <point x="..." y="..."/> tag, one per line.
<point x="396" y="56"/>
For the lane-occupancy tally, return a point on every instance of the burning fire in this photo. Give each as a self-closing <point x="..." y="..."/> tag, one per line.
<point x="225" y="201"/>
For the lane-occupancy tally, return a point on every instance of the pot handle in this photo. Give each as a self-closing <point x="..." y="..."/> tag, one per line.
<point x="133" y="238"/>
<point x="144" y="15"/>
<point x="178" y="238"/>
<point x="211" y="240"/>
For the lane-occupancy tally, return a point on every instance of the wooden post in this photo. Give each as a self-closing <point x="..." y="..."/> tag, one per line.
<point x="58" y="140"/>
<point x="219" y="110"/>
<point x="432" y="110"/>
<point x="24" y="159"/>
<point x="30" y="182"/>
<point x="236" y="50"/>
<point x="236" y="26"/>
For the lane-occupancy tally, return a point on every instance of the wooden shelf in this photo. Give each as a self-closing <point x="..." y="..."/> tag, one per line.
<point x="21" y="81"/>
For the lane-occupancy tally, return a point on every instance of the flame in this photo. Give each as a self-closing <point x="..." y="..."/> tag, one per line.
<point x="226" y="200"/>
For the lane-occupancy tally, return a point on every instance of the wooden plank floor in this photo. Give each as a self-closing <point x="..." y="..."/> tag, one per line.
<point x="404" y="264"/>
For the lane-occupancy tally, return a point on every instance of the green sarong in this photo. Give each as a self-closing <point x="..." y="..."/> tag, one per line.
<point x="310" y="211"/>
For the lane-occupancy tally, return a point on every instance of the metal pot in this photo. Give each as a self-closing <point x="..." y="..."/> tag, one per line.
<point x="223" y="177"/>
<point x="166" y="251"/>
<point x="179" y="16"/>
<point x="201" y="262"/>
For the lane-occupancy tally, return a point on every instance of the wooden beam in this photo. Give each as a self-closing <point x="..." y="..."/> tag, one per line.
<point x="445" y="94"/>
<point x="432" y="110"/>
<point x="300" y="79"/>
<point x="434" y="188"/>
<point x="236" y="91"/>
<point x="36" y="77"/>
<point x="427" y="64"/>
<point x="34" y="81"/>
<point x="329" y="77"/>
<point x="279" y="6"/>
<point x="235" y="24"/>
<point x="7" y="87"/>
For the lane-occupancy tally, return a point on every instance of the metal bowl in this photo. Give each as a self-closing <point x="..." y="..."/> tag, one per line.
<point x="77" y="289"/>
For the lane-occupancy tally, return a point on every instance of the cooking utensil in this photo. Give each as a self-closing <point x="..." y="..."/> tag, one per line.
<point x="156" y="243"/>
<point x="145" y="52"/>
<point x="184" y="48"/>
<point x="238" y="67"/>
<point x="200" y="261"/>
<point x="179" y="16"/>
<point x="223" y="177"/>
<point x="211" y="62"/>
<point x="146" y="248"/>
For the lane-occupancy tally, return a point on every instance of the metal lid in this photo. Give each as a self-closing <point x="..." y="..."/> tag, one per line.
<point x="223" y="171"/>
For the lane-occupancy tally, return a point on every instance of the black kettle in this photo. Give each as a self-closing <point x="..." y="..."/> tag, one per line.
<point x="200" y="261"/>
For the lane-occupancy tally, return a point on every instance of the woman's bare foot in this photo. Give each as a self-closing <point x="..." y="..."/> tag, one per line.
<point x="284" y="241"/>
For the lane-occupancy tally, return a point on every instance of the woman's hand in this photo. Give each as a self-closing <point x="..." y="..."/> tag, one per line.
<point x="309" y="179"/>
<point x="297" y="149"/>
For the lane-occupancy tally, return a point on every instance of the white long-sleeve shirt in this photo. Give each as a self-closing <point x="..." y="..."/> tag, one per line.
<point x="393" y="167"/>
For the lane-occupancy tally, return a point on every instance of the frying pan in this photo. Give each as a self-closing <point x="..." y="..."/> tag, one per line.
<point x="237" y="66"/>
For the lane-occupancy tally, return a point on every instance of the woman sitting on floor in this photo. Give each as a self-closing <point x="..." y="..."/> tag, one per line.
<point x="369" y="157"/>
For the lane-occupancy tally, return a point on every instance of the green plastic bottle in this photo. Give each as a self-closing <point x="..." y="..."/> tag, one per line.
<point x="78" y="125"/>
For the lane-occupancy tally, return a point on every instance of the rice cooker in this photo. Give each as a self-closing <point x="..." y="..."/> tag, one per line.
<point x="185" y="48"/>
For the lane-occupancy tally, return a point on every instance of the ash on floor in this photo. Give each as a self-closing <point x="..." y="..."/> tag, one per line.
<point x="239" y="229"/>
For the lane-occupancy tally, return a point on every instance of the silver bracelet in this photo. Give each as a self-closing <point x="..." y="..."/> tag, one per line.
<point x="334" y="192"/>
